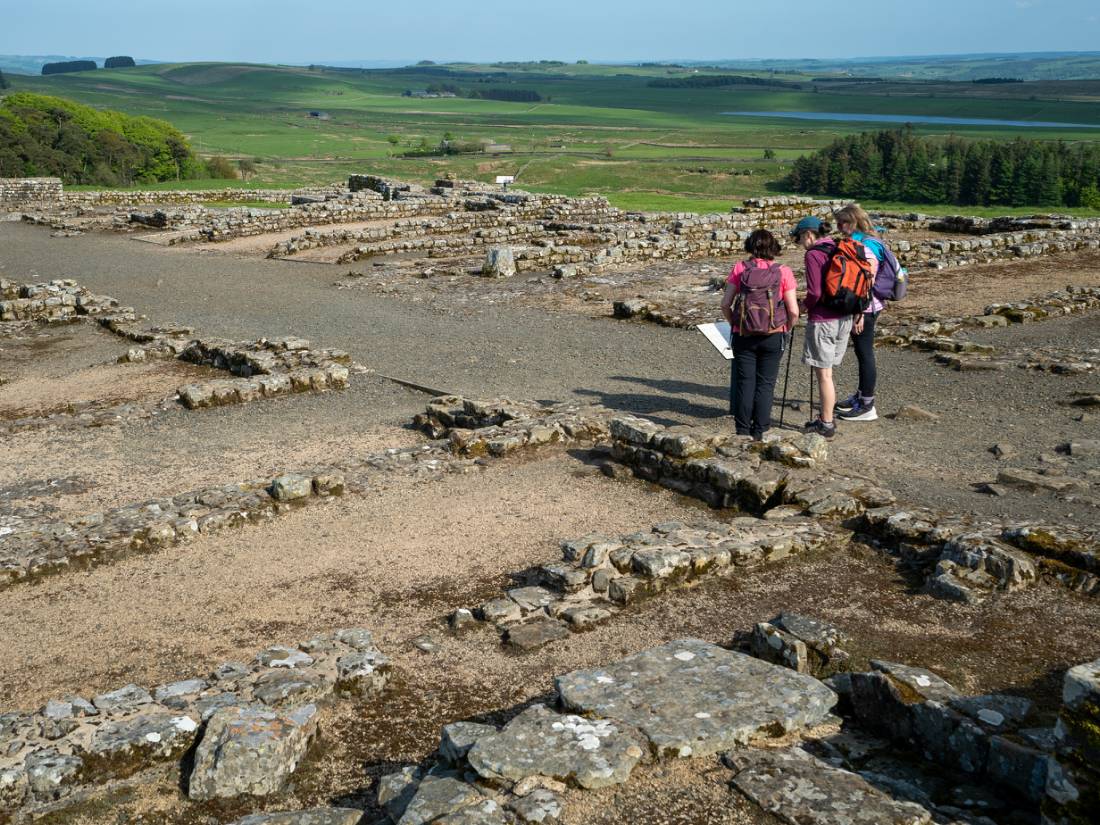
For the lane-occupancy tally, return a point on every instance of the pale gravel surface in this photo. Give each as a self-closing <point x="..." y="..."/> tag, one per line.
<point x="105" y="384"/>
<point x="391" y="561"/>
<point x="184" y="450"/>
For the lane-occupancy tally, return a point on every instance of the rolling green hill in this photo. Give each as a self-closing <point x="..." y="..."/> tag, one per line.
<point x="596" y="129"/>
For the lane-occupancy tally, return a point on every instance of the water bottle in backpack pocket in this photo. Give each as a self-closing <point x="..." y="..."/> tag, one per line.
<point x="758" y="308"/>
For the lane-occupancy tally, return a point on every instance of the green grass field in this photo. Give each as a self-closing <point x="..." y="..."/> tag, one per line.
<point x="599" y="129"/>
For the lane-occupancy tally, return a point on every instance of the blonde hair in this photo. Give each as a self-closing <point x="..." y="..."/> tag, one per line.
<point x="854" y="215"/>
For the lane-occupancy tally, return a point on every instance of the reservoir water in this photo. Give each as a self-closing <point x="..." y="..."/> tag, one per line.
<point x="947" y="121"/>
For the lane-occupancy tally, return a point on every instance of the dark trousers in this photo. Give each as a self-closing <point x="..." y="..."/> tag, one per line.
<point x="864" y="345"/>
<point x="756" y="366"/>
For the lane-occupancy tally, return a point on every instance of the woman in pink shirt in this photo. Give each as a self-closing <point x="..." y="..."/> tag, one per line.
<point x="761" y="306"/>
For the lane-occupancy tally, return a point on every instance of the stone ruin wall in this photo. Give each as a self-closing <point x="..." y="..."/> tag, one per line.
<point x="109" y="197"/>
<point x="20" y="193"/>
<point x="462" y="218"/>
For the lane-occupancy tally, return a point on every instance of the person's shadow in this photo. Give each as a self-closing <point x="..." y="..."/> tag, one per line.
<point x="676" y="397"/>
<point x="683" y="399"/>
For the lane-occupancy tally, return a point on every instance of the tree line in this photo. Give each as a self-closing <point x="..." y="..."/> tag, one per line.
<point x="710" y="81"/>
<point x="43" y="135"/>
<point x="66" y="66"/>
<point x="513" y="95"/>
<point x="898" y="165"/>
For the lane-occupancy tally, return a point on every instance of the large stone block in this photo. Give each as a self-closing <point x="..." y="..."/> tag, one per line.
<point x="123" y="747"/>
<point x="802" y="790"/>
<point x="249" y="750"/>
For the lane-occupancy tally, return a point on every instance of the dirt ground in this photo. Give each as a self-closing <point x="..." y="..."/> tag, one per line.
<point x="61" y="369"/>
<point x="399" y="560"/>
<point x="183" y="611"/>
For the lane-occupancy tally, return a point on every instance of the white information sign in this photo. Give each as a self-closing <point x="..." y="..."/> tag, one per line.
<point x="719" y="337"/>
<point x="503" y="179"/>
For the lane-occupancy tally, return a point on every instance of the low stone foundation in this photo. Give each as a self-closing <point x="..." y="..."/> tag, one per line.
<point x="252" y="724"/>
<point x="599" y="574"/>
<point x="966" y="559"/>
<point x="264" y="369"/>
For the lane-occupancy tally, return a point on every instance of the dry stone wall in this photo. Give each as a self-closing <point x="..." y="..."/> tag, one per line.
<point x="725" y="470"/>
<point x="945" y="336"/>
<point x="115" y="197"/>
<point x="460" y="218"/>
<point x="22" y="193"/>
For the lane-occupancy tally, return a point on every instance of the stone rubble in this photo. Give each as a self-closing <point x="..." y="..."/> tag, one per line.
<point x="316" y="816"/>
<point x="692" y="698"/>
<point x="253" y="722"/>
<point x="967" y="560"/>
<point x="249" y="750"/>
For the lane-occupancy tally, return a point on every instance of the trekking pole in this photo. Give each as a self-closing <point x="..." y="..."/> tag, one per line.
<point x="733" y="377"/>
<point x="786" y="376"/>
<point x="811" y="393"/>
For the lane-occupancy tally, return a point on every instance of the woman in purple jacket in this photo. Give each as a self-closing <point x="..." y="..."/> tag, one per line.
<point x="827" y="331"/>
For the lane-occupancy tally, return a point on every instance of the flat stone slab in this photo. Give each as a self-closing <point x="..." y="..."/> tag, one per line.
<point x="437" y="796"/>
<point x="802" y="790"/>
<point x="536" y="633"/>
<point x="316" y="816"/>
<point x="693" y="698"/>
<point x="250" y="750"/>
<point x="591" y="753"/>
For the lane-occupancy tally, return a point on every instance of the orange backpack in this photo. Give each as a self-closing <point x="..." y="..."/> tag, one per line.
<point x="848" y="278"/>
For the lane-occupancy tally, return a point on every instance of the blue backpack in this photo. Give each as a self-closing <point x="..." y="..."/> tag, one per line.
<point x="892" y="279"/>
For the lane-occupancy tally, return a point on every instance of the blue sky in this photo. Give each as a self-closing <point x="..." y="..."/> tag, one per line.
<point x="301" y="32"/>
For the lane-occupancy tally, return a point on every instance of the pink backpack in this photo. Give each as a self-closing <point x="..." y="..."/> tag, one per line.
<point x="758" y="307"/>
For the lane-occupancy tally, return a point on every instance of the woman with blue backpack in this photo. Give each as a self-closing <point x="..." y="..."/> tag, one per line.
<point x="889" y="284"/>
<point x="760" y="303"/>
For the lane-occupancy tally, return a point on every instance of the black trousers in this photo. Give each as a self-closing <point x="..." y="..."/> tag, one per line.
<point x="864" y="345"/>
<point x="756" y="366"/>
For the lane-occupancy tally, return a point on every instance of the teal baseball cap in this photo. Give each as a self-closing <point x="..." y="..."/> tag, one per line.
<point x="807" y="224"/>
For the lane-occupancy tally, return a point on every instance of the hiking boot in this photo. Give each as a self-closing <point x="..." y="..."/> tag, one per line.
<point x="821" y="428"/>
<point x="862" y="411"/>
<point x="847" y="404"/>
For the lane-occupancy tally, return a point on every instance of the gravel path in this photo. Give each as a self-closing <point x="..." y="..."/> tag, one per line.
<point x="669" y="374"/>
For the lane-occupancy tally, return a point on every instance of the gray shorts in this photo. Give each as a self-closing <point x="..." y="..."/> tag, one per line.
<point x="826" y="342"/>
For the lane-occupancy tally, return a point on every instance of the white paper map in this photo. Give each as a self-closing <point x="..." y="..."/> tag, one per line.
<point x="719" y="337"/>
